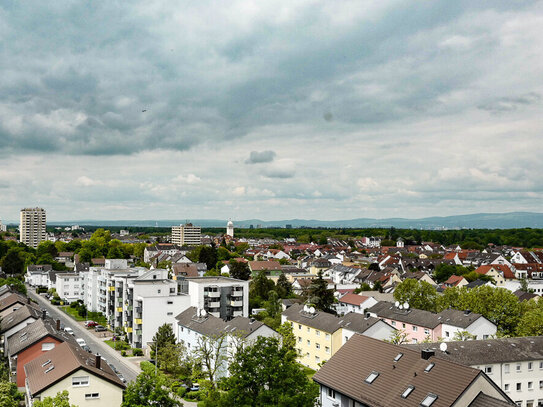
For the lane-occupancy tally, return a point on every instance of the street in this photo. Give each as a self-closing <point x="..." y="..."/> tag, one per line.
<point x="124" y="366"/>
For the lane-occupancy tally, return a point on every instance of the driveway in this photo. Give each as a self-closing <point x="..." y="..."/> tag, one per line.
<point x="93" y="339"/>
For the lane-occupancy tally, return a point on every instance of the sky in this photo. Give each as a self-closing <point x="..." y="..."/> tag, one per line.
<point x="270" y="109"/>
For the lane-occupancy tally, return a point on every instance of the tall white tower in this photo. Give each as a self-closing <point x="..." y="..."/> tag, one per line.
<point x="230" y="229"/>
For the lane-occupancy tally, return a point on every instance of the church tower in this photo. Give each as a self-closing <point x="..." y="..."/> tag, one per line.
<point x="230" y="229"/>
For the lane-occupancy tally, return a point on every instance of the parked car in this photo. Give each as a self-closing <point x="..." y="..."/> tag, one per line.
<point x="195" y="387"/>
<point x="113" y="367"/>
<point x="121" y="377"/>
<point x="68" y="330"/>
<point x="90" y="324"/>
<point x="100" y="328"/>
<point x="81" y="342"/>
<point x="86" y="348"/>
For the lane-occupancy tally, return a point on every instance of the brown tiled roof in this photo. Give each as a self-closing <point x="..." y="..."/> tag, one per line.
<point x="353" y="299"/>
<point x="185" y="269"/>
<point x="16" y="317"/>
<point x="34" y="332"/>
<point x="484" y="400"/>
<point x="347" y="370"/>
<point x="11" y="300"/>
<point x="65" y="359"/>
<point x="264" y="265"/>
<point x="489" y="351"/>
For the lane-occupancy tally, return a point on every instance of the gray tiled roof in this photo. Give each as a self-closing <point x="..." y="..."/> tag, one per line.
<point x="208" y="325"/>
<point x="16" y="317"/>
<point x="489" y="351"/>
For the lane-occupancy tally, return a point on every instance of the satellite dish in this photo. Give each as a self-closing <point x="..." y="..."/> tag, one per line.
<point x="312" y="310"/>
<point x="397" y="304"/>
<point x="400" y="306"/>
<point x="306" y="308"/>
<point x="443" y="347"/>
<point x="406" y="305"/>
<point x="203" y="313"/>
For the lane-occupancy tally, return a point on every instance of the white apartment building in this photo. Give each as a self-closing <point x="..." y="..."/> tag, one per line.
<point x="222" y="297"/>
<point x="187" y="234"/>
<point x="3" y="228"/>
<point x="70" y="287"/>
<point x="515" y="365"/>
<point x="38" y="275"/>
<point x="32" y="227"/>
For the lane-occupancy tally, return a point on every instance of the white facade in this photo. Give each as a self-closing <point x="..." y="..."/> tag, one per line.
<point x="230" y="229"/>
<point x="32" y="227"/>
<point x="344" y="308"/>
<point x="70" y="287"/>
<point x="187" y="235"/>
<point x="222" y="297"/>
<point x="482" y="328"/>
<point x="3" y="228"/>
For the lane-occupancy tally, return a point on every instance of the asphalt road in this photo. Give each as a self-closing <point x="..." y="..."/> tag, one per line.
<point x="128" y="370"/>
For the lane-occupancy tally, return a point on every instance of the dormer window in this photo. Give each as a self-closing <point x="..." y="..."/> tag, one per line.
<point x="429" y="400"/>
<point x="371" y="378"/>
<point x="407" y="391"/>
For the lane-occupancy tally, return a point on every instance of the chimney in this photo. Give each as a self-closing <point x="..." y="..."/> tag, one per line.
<point x="98" y="362"/>
<point x="28" y="300"/>
<point x="427" y="354"/>
<point x="368" y="315"/>
<point x="44" y="314"/>
<point x="58" y="324"/>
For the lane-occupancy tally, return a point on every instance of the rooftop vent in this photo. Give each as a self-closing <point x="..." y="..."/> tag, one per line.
<point x="427" y="353"/>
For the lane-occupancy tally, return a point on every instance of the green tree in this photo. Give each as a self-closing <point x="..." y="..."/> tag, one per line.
<point x="115" y="250"/>
<point x="151" y="388"/>
<point x="398" y="337"/>
<point x="173" y="359"/>
<point x="13" y="262"/>
<point x="418" y="294"/>
<point x="15" y="283"/>
<point x="363" y="287"/>
<point x="531" y="322"/>
<point x="239" y="270"/>
<point x="266" y="374"/>
<point x="8" y="394"/>
<point x="163" y="337"/>
<point x="62" y="399"/>
<point x="212" y="355"/>
<point x="320" y="295"/>
<point x="208" y="255"/>
<point x="284" y="287"/>
<point x="261" y="285"/>
<point x="464" y="336"/>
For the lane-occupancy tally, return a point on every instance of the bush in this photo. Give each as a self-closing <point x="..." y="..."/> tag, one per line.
<point x="181" y="391"/>
<point x="137" y="352"/>
<point x="74" y="305"/>
<point x="123" y="353"/>
<point x="195" y="395"/>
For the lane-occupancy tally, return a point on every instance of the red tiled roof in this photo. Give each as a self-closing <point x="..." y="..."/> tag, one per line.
<point x="353" y="299"/>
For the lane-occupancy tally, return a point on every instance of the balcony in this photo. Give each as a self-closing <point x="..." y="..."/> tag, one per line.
<point x="138" y="321"/>
<point x="213" y="304"/>
<point x="111" y="288"/>
<point x="138" y="310"/>
<point x="237" y="293"/>
<point x="213" y="294"/>
<point x="216" y="314"/>
<point x="236" y="303"/>
<point x="237" y="313"/>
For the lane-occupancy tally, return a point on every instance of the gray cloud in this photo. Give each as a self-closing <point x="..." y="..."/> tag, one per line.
<point x="507" y="104"/>
<point x="256" y="157"/>
<point x="278" y="173"/>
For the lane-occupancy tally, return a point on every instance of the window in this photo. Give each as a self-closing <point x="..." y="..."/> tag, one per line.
<point x="429" y="400"/>
<point x="317" y="345"/>
<point x="159" y="291"/>
<point x="518" y="367"/>
<point x="506" y="386"/>
<point x="447" y="334"/>
<point x="415" y="340"/>
<point x="317" y="359"/>
<point x="488" y="369"/>
<point x="541" y="385"/>
<point x="327" y="337"/>
<point x="331" y="393"/>
<point x="426" y="331"/>
<point x="519" y="386"/>
<point x="47" y="346"/>
<point x="80" y="381"/>
<point x="529" y="403"/>
<point x="530" y="366"/>
<point x="429" y="367"/>
<point x="299" y="339"/>
<point x="541" y="365"/>
<point x="308" y="342"/>
<point x="415" y="328"/>
<point x="299" y="326"/>
<point x="530" y="385"/>
<point x="92" y="396"/>
<point x="506" y="368"/>
<point x="346" y="338"/>
<point x="393" y="323"/>
<point x="318" y="333"/>
<point x="485" y="336"/>
<point x="407" y="391"/>
<point x="371" y="378"/>
<point x="169" y="313"/>
<point x="327" y="349"/>
<point x="403" y="325"/>
<point x="170" y="302"/>
<point x="308" y="329"/>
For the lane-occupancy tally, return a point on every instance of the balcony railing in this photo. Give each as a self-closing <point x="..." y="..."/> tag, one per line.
<point x="237" y="313"/>
<point x="214" y="304"/>
<point x="213" y="294"/>
<point x="234" y="303"/>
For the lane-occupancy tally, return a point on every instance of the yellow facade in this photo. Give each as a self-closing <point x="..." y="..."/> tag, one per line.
<point x="497" y="276"/>
<point x="315" y="346"/>
<point x="108" y="393"/>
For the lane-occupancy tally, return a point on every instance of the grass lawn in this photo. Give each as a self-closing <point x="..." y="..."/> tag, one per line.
<point x="72" y="312"/>
<point x="92" y="316"/>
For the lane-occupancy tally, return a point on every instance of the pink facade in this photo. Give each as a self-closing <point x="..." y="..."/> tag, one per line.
<point x="417" y="334"/>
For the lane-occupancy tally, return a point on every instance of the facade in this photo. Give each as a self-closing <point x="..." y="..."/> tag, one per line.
<point x="69" y="286"/>
<point x="320" y="335"/>
<point x="3" y="228"/>
<point x="222" y="297"/>
<point x="370" y="373"/>
<point x="187" y="235"/>
<point x="88" y="379"/>
<point x="354" y="303"/>
<point x="38" y="275"/>
<point x="17" y="320"/>
<point x="513" y="364"/>
<point x="230" y="228"/>
<point x="423" y="326"/>
<point x="32" y="227"/>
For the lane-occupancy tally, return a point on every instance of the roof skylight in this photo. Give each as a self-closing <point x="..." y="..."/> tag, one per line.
<point x="46" y="363"/>
<point x="408" y="391"/>
<point x="49" y="369"/>
<point x="429" y="367"/>
<point x="398" y="357"/>
<point x="371" y="378"/>
<point x="429" y="400"/>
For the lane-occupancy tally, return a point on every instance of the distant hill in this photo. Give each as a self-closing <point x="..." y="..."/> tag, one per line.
<point x="474" y="221"/>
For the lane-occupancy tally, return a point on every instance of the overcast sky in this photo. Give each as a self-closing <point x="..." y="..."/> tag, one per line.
<point x="270" y="109"/>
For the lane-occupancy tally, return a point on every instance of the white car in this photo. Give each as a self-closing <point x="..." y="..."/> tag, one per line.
<point x="69" y="330"/>
<point x="81" y="342"/>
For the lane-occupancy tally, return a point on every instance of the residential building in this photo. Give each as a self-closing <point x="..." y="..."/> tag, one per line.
<point x="222" y="297"/>
<point x="187" y="234"/>
<point x="3" y="228"/>
<point x="354" y="303"/>
<point x="38" y="275"/>
<point x="17" y="320"/>
<point x="371" y="373"/>
<point x="420" y="325"/>
<point x="32" y="341"/>
<point x="320" y="335"/>
<point x="513" y="364"/>
<point x="88" y="379"/>
<point x="11" y="303"/>
<point x="195" y="326"/>
<point x="32" y="227"/>
<point x="70" y="287"/>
